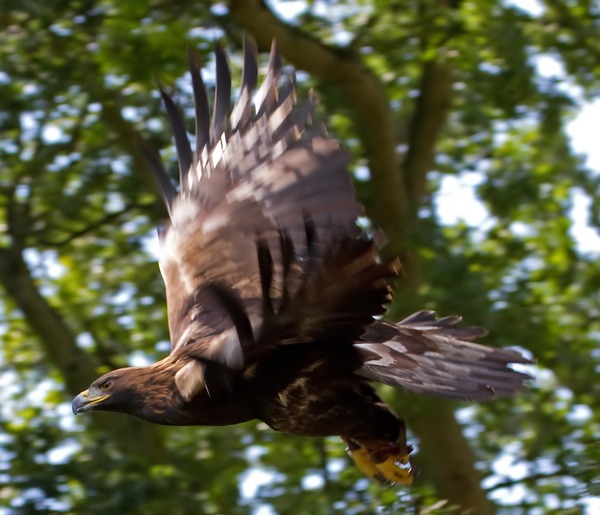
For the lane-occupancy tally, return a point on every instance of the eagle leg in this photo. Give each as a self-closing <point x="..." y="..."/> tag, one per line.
<point x="387" y="464"/>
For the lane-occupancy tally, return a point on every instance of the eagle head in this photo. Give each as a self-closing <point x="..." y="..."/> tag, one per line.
<point x="111" y="392"/>
<point x="144" y="392"/>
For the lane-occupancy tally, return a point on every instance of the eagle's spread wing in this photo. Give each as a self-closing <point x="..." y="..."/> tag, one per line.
<point x="262" y="249"/>
<point x="261" y="175"/>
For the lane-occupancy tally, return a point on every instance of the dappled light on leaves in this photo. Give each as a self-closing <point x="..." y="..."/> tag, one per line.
<point x="82" y="293"/>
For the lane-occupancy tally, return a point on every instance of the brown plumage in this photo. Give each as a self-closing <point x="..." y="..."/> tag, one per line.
<point x="272" y="289"/>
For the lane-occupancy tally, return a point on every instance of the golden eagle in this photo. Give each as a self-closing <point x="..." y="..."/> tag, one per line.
<point x="273" y="291"/>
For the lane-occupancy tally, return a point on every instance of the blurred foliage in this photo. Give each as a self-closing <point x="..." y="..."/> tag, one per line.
<point x="76" y="74"/>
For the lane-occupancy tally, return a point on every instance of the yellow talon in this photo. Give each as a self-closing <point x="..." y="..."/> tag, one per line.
<point x="394" y="469"/>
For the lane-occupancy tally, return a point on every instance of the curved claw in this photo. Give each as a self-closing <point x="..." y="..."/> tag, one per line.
<point x="395" y="468"/>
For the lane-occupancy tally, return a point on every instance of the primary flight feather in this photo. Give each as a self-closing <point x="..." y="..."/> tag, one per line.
<point x="272" y="289"/>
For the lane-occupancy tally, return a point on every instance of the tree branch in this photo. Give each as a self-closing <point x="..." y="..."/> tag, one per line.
<point x="530" y="479"/>
<point x="429" y="117"/>
<point x="108" y="218"/>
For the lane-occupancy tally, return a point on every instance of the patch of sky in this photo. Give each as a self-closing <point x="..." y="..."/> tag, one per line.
<point x="362" y="173"/>
<point x="30" y="88"/>
<point x="534" y="8"/>
<point x="155" y="125"/>
<point x="264" y="509"/>
<point x="114" y="201"/>
<point x="583" y="131"/>
<point x="312" y="481"/>
<point x="131" y="114"/>
<point x="60" y="30"/>
<point x="466" y="417"/>
<point x="126" y="321"/>
<point x="84" y="340"/>
<point x="288" y="11"/>
<point x="37" y="396"/>
<point x="456" y="201"/>
<point x="66" y="420"/>
<point x="43" y="264"/>
<point x="133" y="226"/>
<point x="116" y="81"/>
<point x="121" y="165"/>
<point x="579" y="413"/>
<point x="124" y="295"/>
<point x="63" y="452"/>
<point x="151" y="244"/>
<point x="586" y="236"/>
<point x="163" y="346"/>
<point x="10" y="387"/>
<point x="336" y="465"/>
<point x="255" y="478"/>
<point x="205" y="33"/>
<point x="63" y="161"/>
<point x="22" y="191"/>
<point x="8" y="147"/>
<point x="54" y="134"/>
<point x="140" y="359"/>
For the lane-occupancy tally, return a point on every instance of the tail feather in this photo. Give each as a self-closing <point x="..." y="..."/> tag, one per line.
<point x="428" y="355"/>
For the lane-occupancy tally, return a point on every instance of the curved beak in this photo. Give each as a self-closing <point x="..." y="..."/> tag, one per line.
<point x="86" y="402"/>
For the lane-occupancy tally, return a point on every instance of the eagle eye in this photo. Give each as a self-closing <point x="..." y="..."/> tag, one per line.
<point x="106" y="385"/>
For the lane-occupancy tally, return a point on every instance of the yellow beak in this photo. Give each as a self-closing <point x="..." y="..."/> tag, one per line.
<point x="85" y="402"/>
